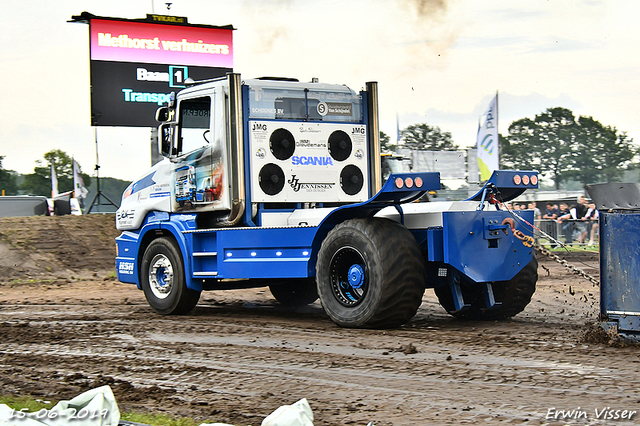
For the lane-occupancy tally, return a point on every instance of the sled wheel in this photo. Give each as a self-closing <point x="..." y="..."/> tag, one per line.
<point x="514" y="294"/>
<point x="295" y="292"/>
<point x="370" y="274"/>
<point x="163" y="281"/>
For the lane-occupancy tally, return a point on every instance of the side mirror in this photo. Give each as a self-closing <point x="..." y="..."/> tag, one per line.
<point x="163" y="114"/>
<point x="165" y="139"/>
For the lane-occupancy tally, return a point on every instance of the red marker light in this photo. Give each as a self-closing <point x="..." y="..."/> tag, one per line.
<point x="517" y="179"/>
<point x="399" y="182"/>
<point x="534" y="180"/>
<point x="409" y="182"/>
<point x="418" y="182"/>
<point x="525" y="179"/>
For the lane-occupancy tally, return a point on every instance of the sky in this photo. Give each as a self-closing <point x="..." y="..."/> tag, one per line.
<point x="436" y="61"/>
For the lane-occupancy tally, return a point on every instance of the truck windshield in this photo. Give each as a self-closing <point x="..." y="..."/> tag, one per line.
<point x="304" y="104"/>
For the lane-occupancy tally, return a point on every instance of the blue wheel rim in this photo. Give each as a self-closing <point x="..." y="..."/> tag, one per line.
<point x="349" y="280"/>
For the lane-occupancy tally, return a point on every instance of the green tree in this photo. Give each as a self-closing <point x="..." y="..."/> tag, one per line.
<point x="542" y="144"/>
<point x="39" y="182"/>
<point x="601" y="153"/>
<point x="558" y="144"/>
<point x="516" y="150"/>
<point x="427" y="138"/>
<point x="7" y="180"/>
<point x="385" y="143"/>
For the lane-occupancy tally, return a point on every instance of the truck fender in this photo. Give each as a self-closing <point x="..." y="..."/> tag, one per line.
<point x="389" y="195"/>
<point x="169" y="228"/>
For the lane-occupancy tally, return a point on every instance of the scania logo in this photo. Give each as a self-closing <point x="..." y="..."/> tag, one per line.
<point x="311" y="161"/>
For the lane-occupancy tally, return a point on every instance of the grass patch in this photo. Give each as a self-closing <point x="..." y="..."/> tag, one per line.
<point x="34" y="405"/>
<point x="30" y="281"/>
<point x="572" y="248"/>
<point x="20" y="402"/>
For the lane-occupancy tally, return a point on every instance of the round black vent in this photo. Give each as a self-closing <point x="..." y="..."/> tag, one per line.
<point x="271" y="179"/>
<point x="351" y="179"/>
<point x="282" y="144"/>
<point x="339" y="145"/>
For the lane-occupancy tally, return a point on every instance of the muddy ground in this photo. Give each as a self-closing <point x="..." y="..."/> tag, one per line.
<point x="66" y="326"/>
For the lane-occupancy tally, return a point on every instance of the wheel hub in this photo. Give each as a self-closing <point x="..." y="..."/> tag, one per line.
<point x="161" y="276"/>
<point x="356" y="276"/>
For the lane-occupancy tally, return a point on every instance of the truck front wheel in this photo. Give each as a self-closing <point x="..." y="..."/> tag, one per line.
<point x="163" y="280"/>
<point x="370" y="274"/>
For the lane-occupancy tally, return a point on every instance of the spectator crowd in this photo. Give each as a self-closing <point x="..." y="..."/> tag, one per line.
<point x="575" y="222"/>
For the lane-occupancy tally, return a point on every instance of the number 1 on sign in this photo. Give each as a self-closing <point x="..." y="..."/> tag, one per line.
<point x="178" y="75"/>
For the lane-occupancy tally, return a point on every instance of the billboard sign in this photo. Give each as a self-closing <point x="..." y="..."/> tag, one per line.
<point x="125" y="41"/>
<point x="136" y="64"/>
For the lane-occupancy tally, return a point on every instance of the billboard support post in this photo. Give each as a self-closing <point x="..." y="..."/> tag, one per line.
<point x="96" y="198"/>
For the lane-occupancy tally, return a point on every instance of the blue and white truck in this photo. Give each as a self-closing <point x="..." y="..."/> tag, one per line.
<point x="296" y="203"/>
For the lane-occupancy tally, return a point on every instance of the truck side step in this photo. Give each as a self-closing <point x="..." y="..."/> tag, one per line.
<point x="205" y="263"/>
<point x="204" y="254"/>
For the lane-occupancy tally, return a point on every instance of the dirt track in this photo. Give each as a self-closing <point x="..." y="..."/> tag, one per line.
<point x="67" y="326"/>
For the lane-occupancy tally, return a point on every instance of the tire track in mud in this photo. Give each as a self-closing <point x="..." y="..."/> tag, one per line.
<point x="265" y="357"/>
<point x="239" y="356"/>
<point x="408" y="387"/>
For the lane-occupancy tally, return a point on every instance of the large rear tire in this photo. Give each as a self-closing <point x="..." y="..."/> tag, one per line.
<point x="295" y="292"/>
<point x="370" y="274"/>
<point x="163" y="279"/>
<point x="514" y="296"/>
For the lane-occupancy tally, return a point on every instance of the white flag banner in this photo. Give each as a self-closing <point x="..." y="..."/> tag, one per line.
<point x="487" y="143"/>
<point x="54" y="182"/>
<point x="78" y="183"/>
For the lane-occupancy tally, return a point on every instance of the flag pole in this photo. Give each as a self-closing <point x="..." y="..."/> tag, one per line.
<point x="498" y="129"/>
<point x="398" y="134"/>
<point x="54" y="181"/>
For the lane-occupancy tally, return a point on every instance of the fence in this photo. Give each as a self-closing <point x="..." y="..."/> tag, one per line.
<point x="573" y="232"/>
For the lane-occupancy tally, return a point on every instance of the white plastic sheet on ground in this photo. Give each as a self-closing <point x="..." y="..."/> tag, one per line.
<point x="296" y="414"/>
<point x="96" y="407"/>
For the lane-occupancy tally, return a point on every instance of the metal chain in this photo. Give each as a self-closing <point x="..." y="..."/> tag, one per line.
<point x="542" y="250"/>
<point x="527" y="241"/>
